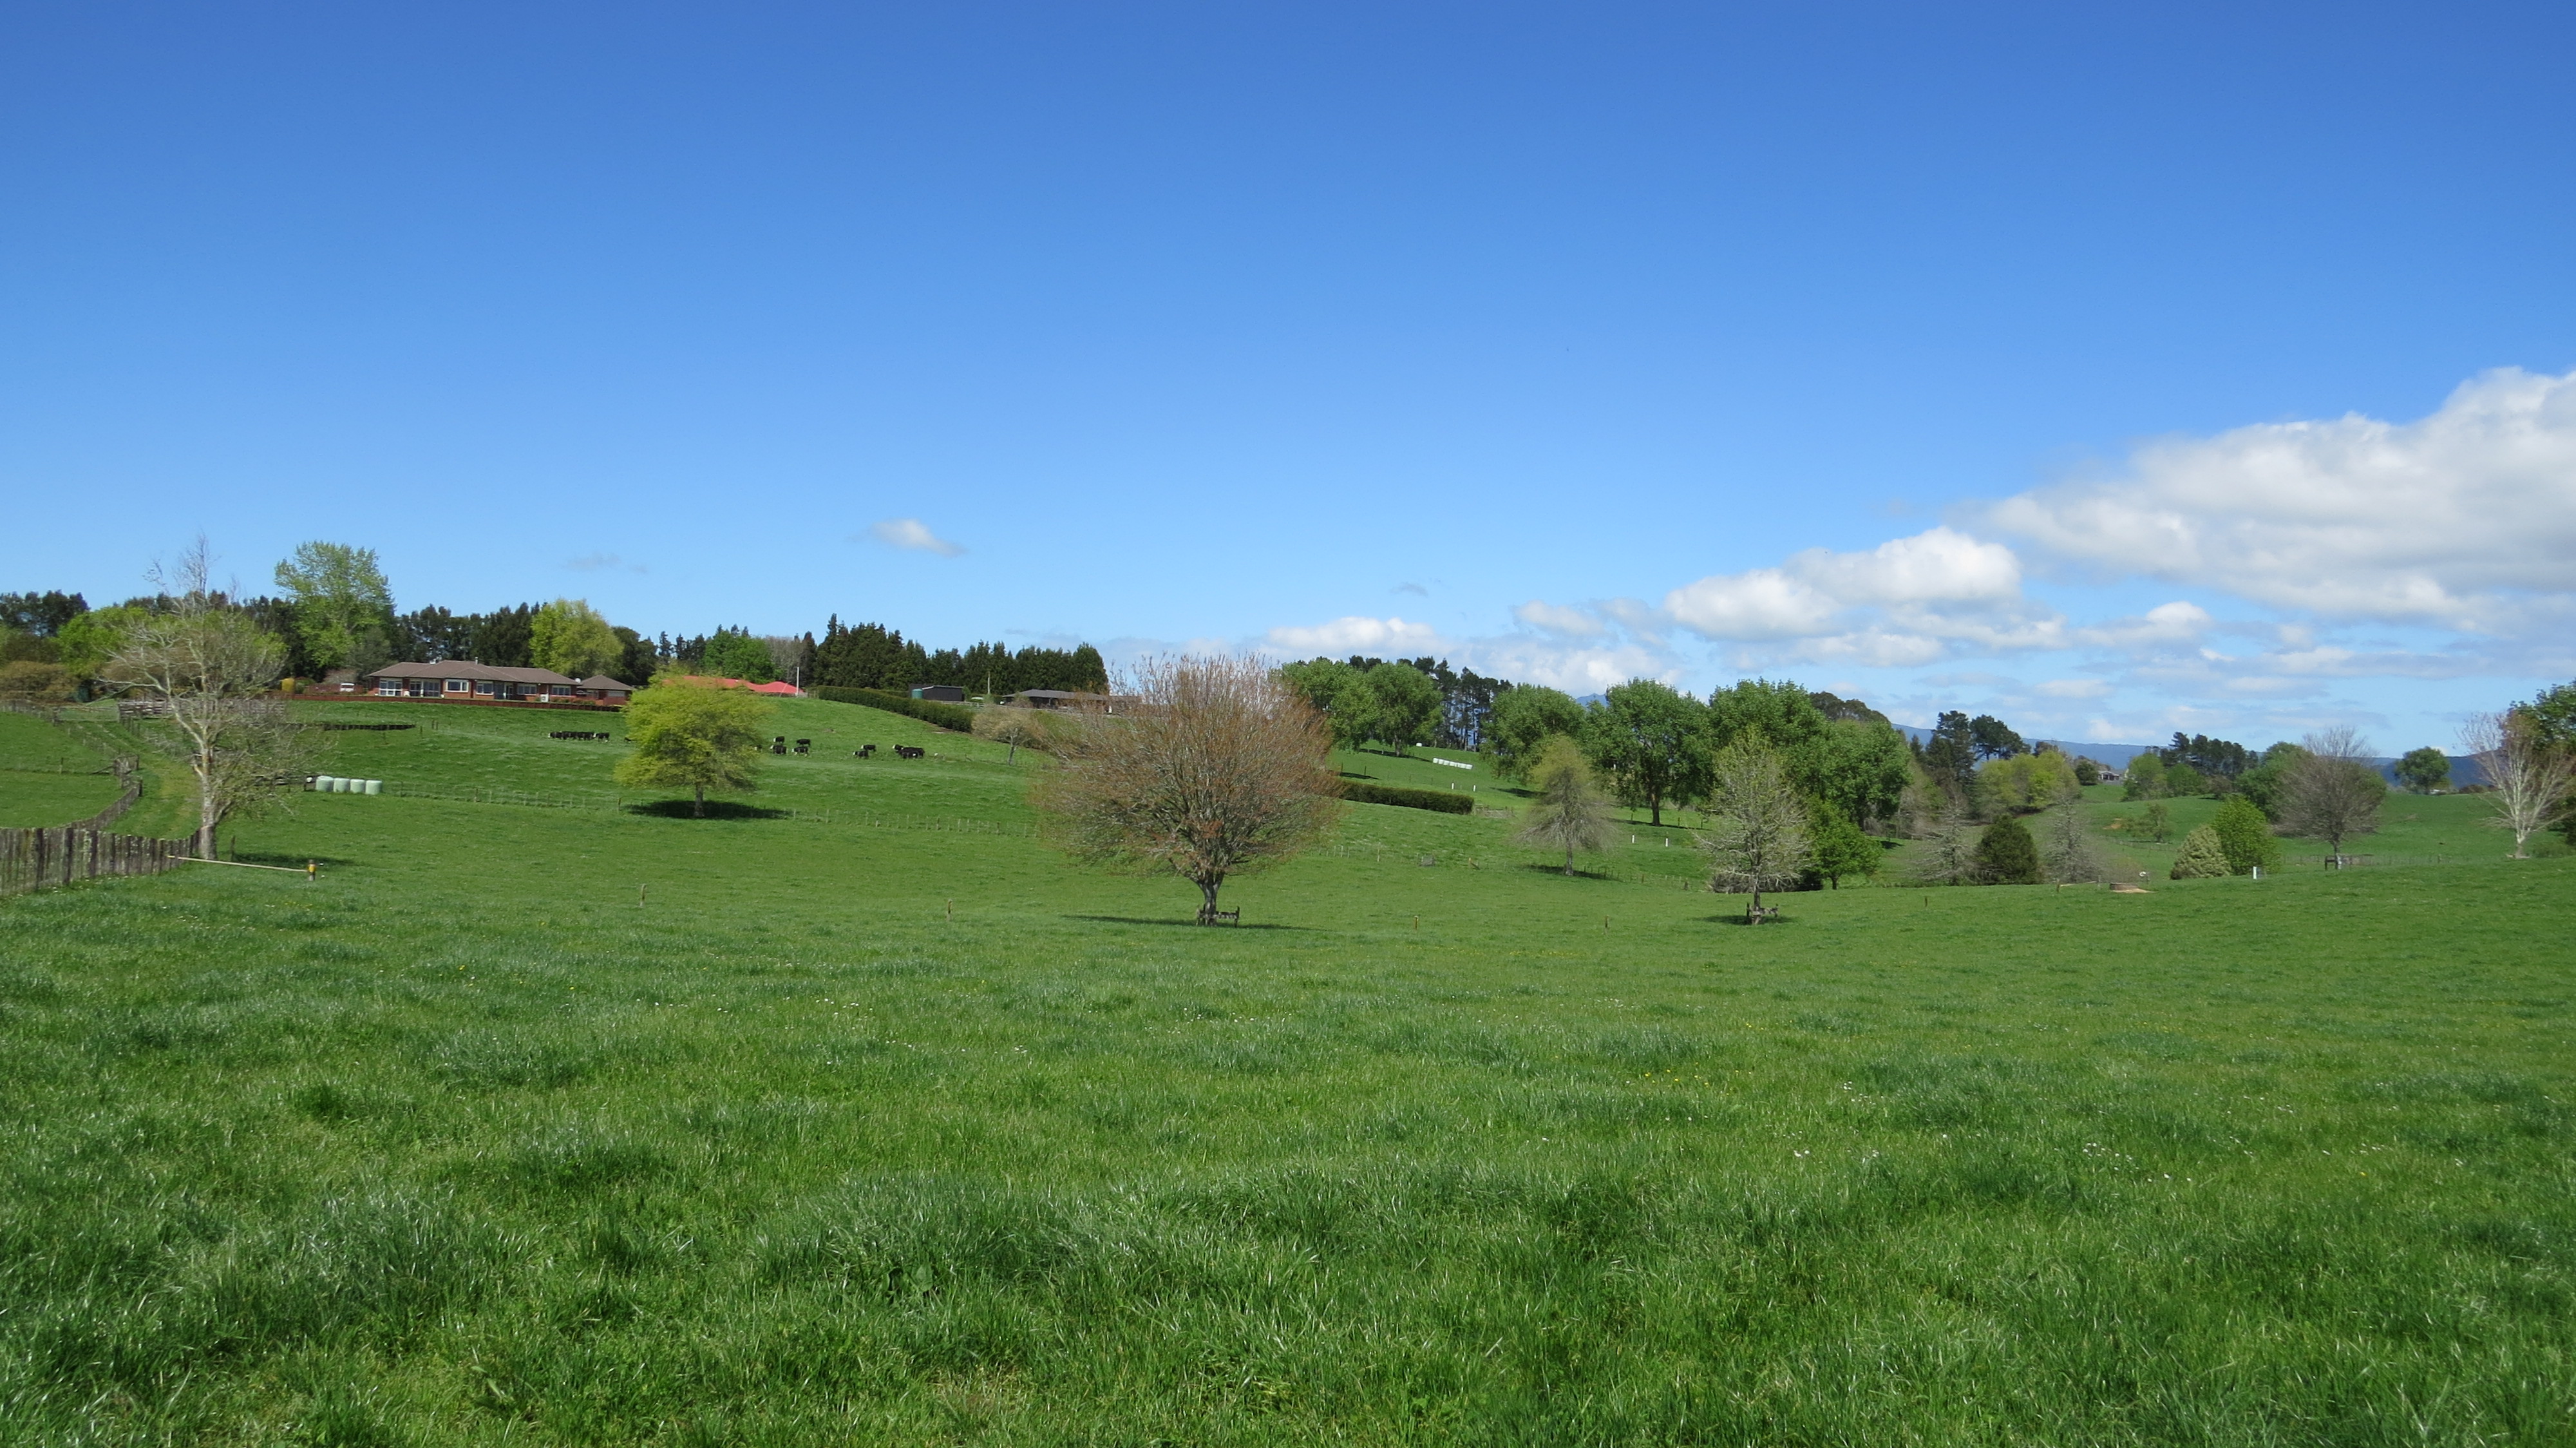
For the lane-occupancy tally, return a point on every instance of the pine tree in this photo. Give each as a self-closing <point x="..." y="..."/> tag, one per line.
<point x="2202" y="857"/>
<point x="2008" y="855"/>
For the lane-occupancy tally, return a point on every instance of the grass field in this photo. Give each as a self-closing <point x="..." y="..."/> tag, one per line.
<point x="870" y="1120"/>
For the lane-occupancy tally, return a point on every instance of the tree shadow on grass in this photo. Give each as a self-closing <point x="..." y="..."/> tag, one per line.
<point x="717" y="809"/>
<point x="1143" y="920"/>
<point x="1740" y="918"/>
<point x="285" y="861"/>
<point x="1559" y="872"/>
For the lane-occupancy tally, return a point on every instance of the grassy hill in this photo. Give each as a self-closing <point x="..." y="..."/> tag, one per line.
<point x="872" y="1120"/>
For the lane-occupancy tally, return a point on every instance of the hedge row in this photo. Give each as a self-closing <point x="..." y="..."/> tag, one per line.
<point x="1446" y="801"/>
<point x="946" y="716"/>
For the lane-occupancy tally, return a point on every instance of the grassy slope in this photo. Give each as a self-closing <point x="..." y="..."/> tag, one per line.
<point x="48" y="776"/>
<point x="463" y="1143"/>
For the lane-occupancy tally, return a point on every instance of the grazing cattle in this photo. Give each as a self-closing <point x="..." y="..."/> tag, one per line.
<point x="864" y="751"/>
<point x="909" y="751"/>
<point x="778" y="744"/>
<point x="804" y="746"/>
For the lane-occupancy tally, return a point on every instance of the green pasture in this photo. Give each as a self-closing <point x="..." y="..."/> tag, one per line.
<point x="867" y="1119"/>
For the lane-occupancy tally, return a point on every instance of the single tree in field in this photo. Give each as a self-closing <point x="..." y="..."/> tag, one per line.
<point x="2424" y="770"/>
<point x="1758" y="831"/>
<point x="210" y="665"/>
<point x="343" y="607"/>
<point x="1652" y="742"/>
<point x="1571" y="813"/>
<point x="2068" y="851"/>
<point x="2202" y="857"/>
<point x="694" y="737"/>
<point x="2331" y="795"/>
<point x="569" y="637"/>
<point x="2245" y="835"/>
<point x="1219" y="767"/>
<point x="1523" y="721"/>
<point x="1842" y="848"/>
<point x="2157" y="821"/>
<point x="2527" y="778"/>
<point x="2008" y="855"/>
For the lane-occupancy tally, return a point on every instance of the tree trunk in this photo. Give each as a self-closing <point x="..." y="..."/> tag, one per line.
<point x="701" y="811"/>
<point x="1753" y="914"/>
<point x="1207" y="899"/>
<point x="1655" y="810"/>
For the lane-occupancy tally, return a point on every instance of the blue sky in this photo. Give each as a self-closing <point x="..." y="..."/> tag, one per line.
<point x="2207" y="368"/>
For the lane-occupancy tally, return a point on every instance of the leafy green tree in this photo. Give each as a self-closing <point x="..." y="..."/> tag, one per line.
<point x="2088" y="772"/>
<point x="733" y="653"/>
<point x="1652" y="742"/>
<point x="1841" y="848"/>
<point x="2183" y="782"/>
<point x="2424" y="770"/>
<point x="1950" y="756"/>
<point x="1862" y="769"/>
<point x="501" y="637"/>
<point x="2202" y="857"/>
<point x="1524" y="719"/>
<point x="693" y="736"/>
<point x="2158" y="820"/>
<point x="2143" y="779"/>
<point x="1404" y="705"/>
<point x="569" y="637"/>
<point x="2245" y="835"/>
<point x="1571" y="812"/>
<point x="344" y="609"/>
<point x="1776" y="714"/>
<point x="2007" y="855"/>
<point x="1990" y="738"/>
<point x="89" y="640"/>
<point x="2262" y="784"/>
<point x="2025" y="783"/>
<point x="1758" y="825"/>
<point x="637" y="660"/>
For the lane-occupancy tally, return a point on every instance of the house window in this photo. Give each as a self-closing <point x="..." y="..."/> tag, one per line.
<point x="457" y="686"/>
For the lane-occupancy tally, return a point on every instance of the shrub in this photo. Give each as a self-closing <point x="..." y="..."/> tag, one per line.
<point x="1361" y="791"/>
<point x="946" y="716"/>
<point x="2008" y="855"/>
<point x="2202" y="857"/>
<point x="2245" y="836"/>
<point x="35" y="682"/>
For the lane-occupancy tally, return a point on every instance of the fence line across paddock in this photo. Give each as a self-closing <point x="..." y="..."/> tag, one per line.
<point x="39" y="859"/>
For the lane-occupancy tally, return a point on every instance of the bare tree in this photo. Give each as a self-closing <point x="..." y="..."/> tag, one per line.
<point x="1949" y="848"/>
<point x="1758" y="830"/>
<point x="2332" y="795"/>
<point x="1571" y="813"/>
<point x="2527" y="779"/>
<point x="209" y="664"/>
<point x="1214" y="767"/>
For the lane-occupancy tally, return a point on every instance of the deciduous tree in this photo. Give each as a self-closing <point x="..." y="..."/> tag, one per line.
<point x="2527" y="777"/>
<point x="1841" y="848"/>
<point x="569" y="637"/>
<point x="1524" y="719"/>
<point x="1653" y="744"/>
<point x="2246" y="836"/>
<point x="1404" y="705"/>
<point x="2424" y="770"/>
<point x="1758" y="828"/>
<point x="343" y="607"/>
<point x="2068" y="853"/>
<point x="1218" y="767"/>
<point x="696" y="737"/>
<point x="210" y="666"/>
<point x="2332" y="795"/>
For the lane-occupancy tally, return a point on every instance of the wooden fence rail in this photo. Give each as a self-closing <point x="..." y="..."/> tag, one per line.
<point x="44" y="858"/>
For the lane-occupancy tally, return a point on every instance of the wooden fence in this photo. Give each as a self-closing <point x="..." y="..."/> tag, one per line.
<point x="43" y="858"/>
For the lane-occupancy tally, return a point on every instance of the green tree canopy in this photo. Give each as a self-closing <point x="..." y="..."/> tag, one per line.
<point x="2144" y="778"/>
<point x="1840" y="848"/>
<point x="1571" y="813"/>
<point x="1404" y="705"/>
<point x="1333" y="688"/>
<point x="569" y="637"/>
<point x="344" y="610"/>
<point x="2007" y="855"/>
<point x="2245" y="836"/>
<point x="733" y="653"/>
<point x="693" y="736"/>
<point x="1524" y="719"/>
<point x="1652" y="741"/>
<point x="88" y="641"/>
<point x="2424" y="770"/>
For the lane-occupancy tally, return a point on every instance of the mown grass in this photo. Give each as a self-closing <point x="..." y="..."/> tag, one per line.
<point x="879" y="1123"/>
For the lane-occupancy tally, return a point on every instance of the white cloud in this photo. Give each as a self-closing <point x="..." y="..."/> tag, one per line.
<point x="1908" y="601"/>
<point x="1572" y="622"/>
<point x="1357" y="633"/>
<point x="2076" y="688"/>
<point x="2453" y="520"/>
<point x="909" y="533"/>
